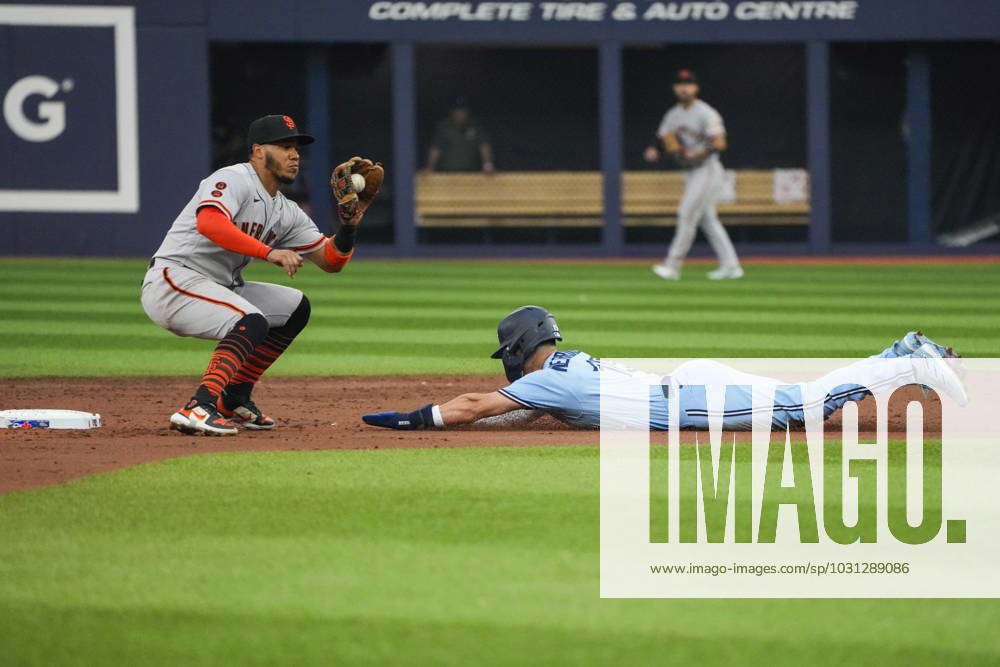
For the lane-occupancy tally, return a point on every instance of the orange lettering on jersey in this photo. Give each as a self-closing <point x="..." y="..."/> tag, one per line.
<point x="244" y="227"/>
<point x="270" y="237"/>
<point x="256" y="230"/>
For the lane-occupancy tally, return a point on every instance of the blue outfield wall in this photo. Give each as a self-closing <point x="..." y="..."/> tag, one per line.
<point x="106" y="110"/>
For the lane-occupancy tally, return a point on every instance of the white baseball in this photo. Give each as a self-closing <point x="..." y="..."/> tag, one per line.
<point x="358" y="181"/>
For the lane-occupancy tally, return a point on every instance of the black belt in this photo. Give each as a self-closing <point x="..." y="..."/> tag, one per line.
<point x="162" y="262"/>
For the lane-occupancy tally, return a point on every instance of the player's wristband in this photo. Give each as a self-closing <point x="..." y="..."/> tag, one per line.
<point x="426" y="416"/>
<point x="344" y="238"/>
<point x="334" y="257"/>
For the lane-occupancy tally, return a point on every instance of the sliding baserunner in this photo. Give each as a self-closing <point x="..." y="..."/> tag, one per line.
<point x="567" y="384"/>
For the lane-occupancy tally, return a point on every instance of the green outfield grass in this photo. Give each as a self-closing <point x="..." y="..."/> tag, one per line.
<point x="451" y="557"/>
<point x="82" y="317"/>
<point x="464" y="556"/>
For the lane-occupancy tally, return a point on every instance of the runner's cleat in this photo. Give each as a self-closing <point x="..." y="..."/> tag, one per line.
<point x="912" y="341"/>
<point x="932" y="369"/>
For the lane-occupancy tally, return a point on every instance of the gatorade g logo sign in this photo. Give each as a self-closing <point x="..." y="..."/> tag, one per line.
<point x="69" y="109"/>
<point x="51" y="115"/>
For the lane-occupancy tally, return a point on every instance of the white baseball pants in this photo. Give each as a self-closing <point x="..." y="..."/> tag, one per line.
<point x="702" y="189"/>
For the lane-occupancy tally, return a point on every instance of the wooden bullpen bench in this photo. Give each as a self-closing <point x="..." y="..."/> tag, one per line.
<point x="574" y="199"/>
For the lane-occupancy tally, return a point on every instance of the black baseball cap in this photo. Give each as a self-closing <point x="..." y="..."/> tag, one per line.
<point x="274" y="128"/>
<point x="685" y="76"/>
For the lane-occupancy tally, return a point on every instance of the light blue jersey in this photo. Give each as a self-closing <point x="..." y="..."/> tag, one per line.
<point x="568" y="387"/>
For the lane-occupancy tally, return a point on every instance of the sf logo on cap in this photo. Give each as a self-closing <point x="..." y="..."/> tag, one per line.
<point x="289" y="122"/>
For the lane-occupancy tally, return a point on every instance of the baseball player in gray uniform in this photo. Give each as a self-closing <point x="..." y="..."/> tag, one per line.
<point x="693" y="134"/>
<point x="194" y="284"/>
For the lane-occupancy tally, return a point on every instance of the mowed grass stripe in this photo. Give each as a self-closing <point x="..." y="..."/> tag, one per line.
<point x="844" y="320"/>
<point x="60" y="266"/>
<point x="191" y="361"/>
<point x="413" y="305"/>
<point x="26" y="319"/>
<point x="494" y="308"/>
<point x="333" y="328"/>
<point x="382" y="280"/>
<point x="331" y="334"/>
<point x="433" y="346"/>
<point x="399" y="360"/>
<point x="635" y="279"/>
<point x="562" y="277"/>
<point x="933" y="278"/>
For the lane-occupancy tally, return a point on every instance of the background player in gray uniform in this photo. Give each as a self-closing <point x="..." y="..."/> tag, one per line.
<point x="194" y="285"/>
<point x="692" y="132"/>
<point x="568" y="384"/>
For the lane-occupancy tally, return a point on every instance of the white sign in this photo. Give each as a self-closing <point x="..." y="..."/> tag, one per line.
<point x="791" y="186"/>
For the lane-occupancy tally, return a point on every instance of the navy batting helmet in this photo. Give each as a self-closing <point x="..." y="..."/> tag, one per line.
<point x="520" y="334"/>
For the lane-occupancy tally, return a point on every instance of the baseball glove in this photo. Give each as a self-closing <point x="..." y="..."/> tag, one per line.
<point x="351" y="203"/>
<point x="687" y="160"/>
<point x="682" y="160"/>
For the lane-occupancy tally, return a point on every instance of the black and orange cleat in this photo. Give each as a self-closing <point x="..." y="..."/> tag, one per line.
<point x="248" y="415"/>
<point x="195" y="418"/>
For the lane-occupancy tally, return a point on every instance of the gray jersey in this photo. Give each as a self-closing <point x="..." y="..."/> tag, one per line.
<point x="695" y="126"/>
<point x="237" y="192"/>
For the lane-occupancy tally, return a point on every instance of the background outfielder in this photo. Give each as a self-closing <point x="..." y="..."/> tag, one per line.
<point x="692" y="132"/>
<point x="194" y="284"/>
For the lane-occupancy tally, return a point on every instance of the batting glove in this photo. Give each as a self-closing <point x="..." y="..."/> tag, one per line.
<point x="403" y="421"/>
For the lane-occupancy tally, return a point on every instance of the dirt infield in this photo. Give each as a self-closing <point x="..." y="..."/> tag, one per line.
<point x="313" y="414"/>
